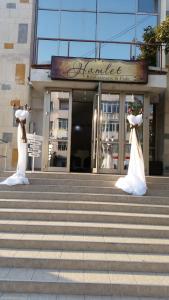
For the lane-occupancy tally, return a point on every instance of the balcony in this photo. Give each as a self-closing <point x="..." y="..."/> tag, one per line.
<point x="44" y="48"/>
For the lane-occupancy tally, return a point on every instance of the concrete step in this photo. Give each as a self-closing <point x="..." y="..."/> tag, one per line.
<point x="80" y="260"/>
<point x="88" y="182"/>
<point x="70" y="182"/>
<point x="30" y="296"/>
<point x="62" y="175"/>
<point x="115" y="198"/>
<point x="63" y="188"/>
<point x="84" y="205"/>
<point x="82" y="283"/>
<point x="84" y="216"/>
<point x="81" y="176"/>
<point x="84" y="243"/>
<point x="79" y="189"/>
<point x="84" y="228"/>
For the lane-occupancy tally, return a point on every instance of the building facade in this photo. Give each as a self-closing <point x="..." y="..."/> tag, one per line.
<point x="75" y="63"/>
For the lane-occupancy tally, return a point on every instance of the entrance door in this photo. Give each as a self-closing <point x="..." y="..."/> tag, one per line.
<point x="111" y="148"/>
<point x="82" y="109"/>
<point x="57" y="130"/>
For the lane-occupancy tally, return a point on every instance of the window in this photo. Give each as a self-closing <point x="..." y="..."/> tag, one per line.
<point x="51" y="18"/>
<point x="78" y="25"/>
<point x="63" y="104"/>
<point x="23" y="33"/>
<point x="82" y="49"/>
<point x="49" y="4"/>
<point x="51" y="106"/>
<point x="63" y="123"/>
<point x="116" y="27"/>
<point x="47" y="49"/>
<point x="122" y="20"/>
<point x="117" y="6"/>
<point x="70" y="4"/>
<point x="110" y="107"/>
<point x="84" y="5"/>
<point x="110" y="126"/>
<point x="51" y="125"/>
<point x="62" y="146"/>
<point x="142" y="22"/>
<point x="148" y="6"/>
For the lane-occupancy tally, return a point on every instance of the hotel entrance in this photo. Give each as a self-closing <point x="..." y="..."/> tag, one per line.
<point x="87" y="131"/>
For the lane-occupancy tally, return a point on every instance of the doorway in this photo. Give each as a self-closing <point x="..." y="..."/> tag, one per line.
<point x="81" y="136"/>
<point x="87" y="131"/>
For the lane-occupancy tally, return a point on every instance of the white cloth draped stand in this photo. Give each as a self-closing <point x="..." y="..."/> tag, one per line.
<point x="134" y="182"/>
<point x="19" y="176"/>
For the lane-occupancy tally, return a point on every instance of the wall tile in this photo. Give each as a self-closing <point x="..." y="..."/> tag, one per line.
<point x="14" y="157"/>
<point x="20" y="73"/>
<point x="8" y="45"/>
<point x="15" y="102"/>
<point x="24" y="1"/>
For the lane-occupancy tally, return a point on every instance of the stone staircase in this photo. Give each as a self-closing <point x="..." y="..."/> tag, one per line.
<point x="76" y="234"/>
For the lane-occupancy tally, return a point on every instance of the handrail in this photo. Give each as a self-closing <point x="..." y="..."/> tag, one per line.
<point x="98" y="45"/>
<point x="97" y="41"/>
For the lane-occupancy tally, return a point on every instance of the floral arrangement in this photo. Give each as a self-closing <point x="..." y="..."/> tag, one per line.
<point x="135" y="106"/>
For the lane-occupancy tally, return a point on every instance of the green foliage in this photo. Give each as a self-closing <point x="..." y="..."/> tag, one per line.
<point x="162" y="34"/>
<point x="155" y="36"/>
<point x="135" y="107"/>
<point x="149" y="49"/>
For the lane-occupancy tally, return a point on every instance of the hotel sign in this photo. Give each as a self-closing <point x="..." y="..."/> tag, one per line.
<point x="99" y="70"/>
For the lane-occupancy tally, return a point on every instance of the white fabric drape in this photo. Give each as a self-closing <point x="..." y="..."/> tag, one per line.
<point x="134" y="182"/>
<point x="19" y="176"/>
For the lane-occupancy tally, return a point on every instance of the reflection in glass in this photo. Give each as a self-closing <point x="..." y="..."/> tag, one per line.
<point x="139" y="99"/>
<point x="58" y="129"/>
<point x="117" y="6"/>
<point x="70" y="4"/>
<point x="51" y="4"/>
<point x="48" y="24"/>
<point x="79" y="5"/>
<point x="82" y="50"/>
<point x="142" y="22"/>
<point x="116" y="27"/>
<point x="116" y="21"/>
<point x="115" y="51"/>
<point x="78" y="25"/>
<point x="109" y="126"/>
<point x="47" y="49"/>
<point x="148" y="6"/>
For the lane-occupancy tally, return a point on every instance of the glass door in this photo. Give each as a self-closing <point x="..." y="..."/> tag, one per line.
<point x="58" y="131"/>
<point x="111" y="131"/>
<point x="95" y="131"/>
<point x="105" y="133"/>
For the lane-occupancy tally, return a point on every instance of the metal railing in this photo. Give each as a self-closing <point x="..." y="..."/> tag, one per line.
<point x="96" y="52"/>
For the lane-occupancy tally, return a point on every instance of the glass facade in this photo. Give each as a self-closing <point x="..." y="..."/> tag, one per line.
<point x="110" y="20"/>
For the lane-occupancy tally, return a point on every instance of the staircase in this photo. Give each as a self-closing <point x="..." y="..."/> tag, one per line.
<point x="76" y="234"/>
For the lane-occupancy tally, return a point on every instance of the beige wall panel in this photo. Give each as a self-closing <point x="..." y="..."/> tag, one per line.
<point x="14" y="157"/>
<point x="20" y="73"/>
<point x="8" y="45"/>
